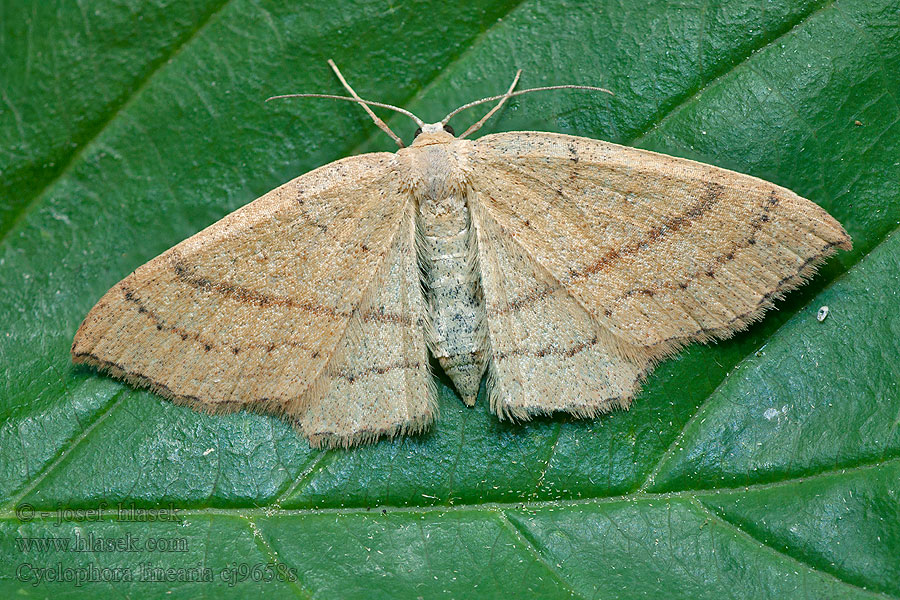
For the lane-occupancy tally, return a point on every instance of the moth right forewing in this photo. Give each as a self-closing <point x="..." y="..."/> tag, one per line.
<point x="659" y="250"/>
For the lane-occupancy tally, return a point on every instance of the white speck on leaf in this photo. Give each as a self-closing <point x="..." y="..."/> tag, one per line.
<point x="60" y="217"/>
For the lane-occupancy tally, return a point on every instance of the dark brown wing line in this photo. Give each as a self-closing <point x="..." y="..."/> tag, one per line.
<point x="162" y="325"/>
<point x="247" y="296"/>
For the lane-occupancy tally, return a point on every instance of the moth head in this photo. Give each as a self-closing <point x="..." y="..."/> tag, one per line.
<point x="433" y="128"/>
<point x="433" y="133"/>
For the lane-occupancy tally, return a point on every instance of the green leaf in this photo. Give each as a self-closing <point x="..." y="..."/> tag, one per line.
<point x="764" y="466"/>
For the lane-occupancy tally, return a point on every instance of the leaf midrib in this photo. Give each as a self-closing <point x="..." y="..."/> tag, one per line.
<point x="8" y="513"/>
<point x="692" y="499"/>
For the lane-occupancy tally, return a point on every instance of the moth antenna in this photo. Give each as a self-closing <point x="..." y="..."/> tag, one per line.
<point x="381" y="124"/>
<point x="402" y="111"/>
<point x="354" y="97"/>
<point x="446" y="119"/>
<point x="476" y="126"/>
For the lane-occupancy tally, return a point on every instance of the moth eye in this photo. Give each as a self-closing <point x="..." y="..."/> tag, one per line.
<point x="449" y="130"/>
<point x="416" y="134"/>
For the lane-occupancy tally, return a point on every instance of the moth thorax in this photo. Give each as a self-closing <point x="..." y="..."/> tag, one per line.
<point x="436" y="171"/>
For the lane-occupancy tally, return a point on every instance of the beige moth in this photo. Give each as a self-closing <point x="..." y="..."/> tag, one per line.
<point x="565" y="268"/>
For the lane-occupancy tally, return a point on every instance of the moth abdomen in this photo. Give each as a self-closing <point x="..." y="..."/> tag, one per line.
<point x="453" y="293"/>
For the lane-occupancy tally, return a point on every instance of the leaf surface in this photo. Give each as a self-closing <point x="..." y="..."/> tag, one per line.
<point x="764" y="466"/>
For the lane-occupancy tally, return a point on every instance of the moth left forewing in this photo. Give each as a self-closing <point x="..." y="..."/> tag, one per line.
<point x="261" y="310"/>
<point x="659" y="250"/>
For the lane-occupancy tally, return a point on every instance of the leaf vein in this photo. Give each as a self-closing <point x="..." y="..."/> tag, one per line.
<point x="520" y="536"/>
<point x="713" y="516"/>
<point x="17" y="217"/>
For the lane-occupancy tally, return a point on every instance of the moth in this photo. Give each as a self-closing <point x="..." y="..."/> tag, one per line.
<point x="563" y="267"/>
